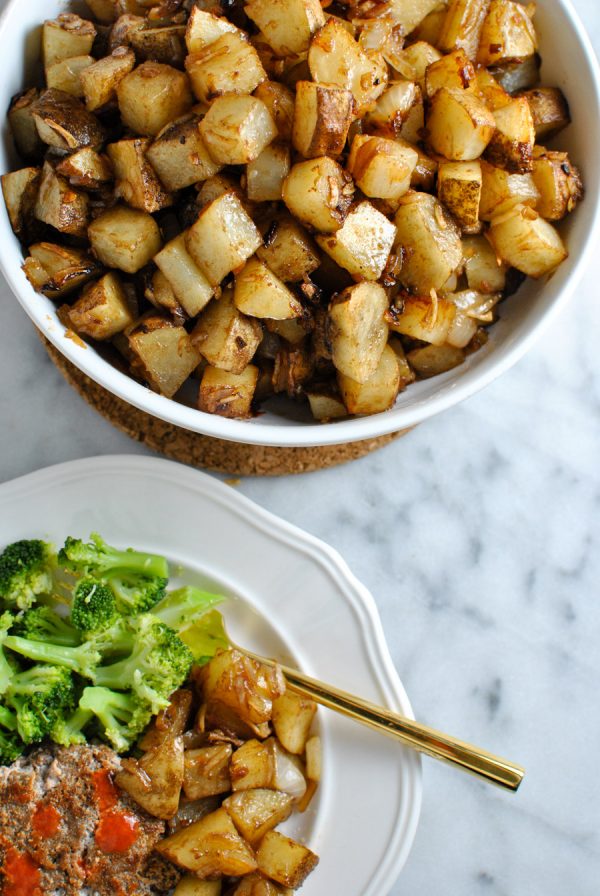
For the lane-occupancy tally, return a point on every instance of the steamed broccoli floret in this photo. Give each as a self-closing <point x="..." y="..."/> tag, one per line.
<point x="98" y="558"/>
<point x="181" y="608"/>
<point x="159" y="663"/>
<point x="69" y="731"/>
<point x="11" y="747"/>
<point x="93" y="607"/>
<point x="82" y="659"/>
<point x="137" y="593"/>
<point x="25" y="572"/>
<point x="6" y="669"/>
<point x="43" y="624"/>
<point x="40" y="696"/>
<point x="122" y="717"/>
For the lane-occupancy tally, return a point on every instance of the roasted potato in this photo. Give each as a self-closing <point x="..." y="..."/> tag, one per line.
<point x="87" y="169"/>
<point x="228" y="394"/>
<point x="100" y="81"/>
<point x="66" y="74"/>
<point x="319" y="192"/>
<point x="459" y="124"/>
<point x="209" y="847"/>
<point x="357" y="330"/>
<point x="322" y="117"/>
<point x="265" y="174"/>
<point x="381" y="167"/>
<point x="151" y="96"/>
<point x="511" y="146"/>
<point x="432" y="241"/>
<point x="292" y="719"/>
<point x="65" y="37"/>
<point x="236" y="129"/>
<point x="363" y="244"/>
<point x="462" y="26"/>
<point x="285" y="861"/>
<point x="206" y="771"/>
<point x="507" y="33"/>
<point x="259" y="293"/>
<point x="155" y="780"/>
<point x="223" y="238"/>
<point x="377" y="393"/>
<point x="58" y="270"/>
<point x="230" y="65"/>
<point x="224" y="336"/>
<point x="422" y="317"/>
<point x="526" y="241"/>
<point x="190" y="286"/>
<point x="125" y="238"/>
<point x="288" y="250"/>
<point x="59" y="205"/>
<point x="459" y="190"/>
<point x="164" y="355"/>
<point x="549" y="110"/>
<point x="255" y="812"/>
<point x="20" y="191"/>
<point x="63" y="122"/>
<point x="286" y="25"/>
<point x="136" y="180"/>
<point x="180" y="156"/>
<point x="558" y="182"/>
<point x="103" y="310"/>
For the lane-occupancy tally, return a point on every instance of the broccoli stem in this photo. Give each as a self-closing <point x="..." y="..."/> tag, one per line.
<point x="101" y="558"/>
<point x="82" y="659"/>
<point x="181" y="608"/>
<point x="8" y="719"/>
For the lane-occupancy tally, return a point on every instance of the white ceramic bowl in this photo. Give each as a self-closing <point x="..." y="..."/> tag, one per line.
<point x="568" y="61"/>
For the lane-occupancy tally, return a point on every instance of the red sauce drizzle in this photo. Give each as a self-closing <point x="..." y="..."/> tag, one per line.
<point x="21" y="875"/>
<point x="46" y="820"/>
<point x="116" y="831"/>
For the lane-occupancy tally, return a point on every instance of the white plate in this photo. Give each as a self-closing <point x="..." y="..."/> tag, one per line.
<point x="292" y="597"/>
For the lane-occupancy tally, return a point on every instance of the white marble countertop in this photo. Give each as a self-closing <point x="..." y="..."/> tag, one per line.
<point x="479" y="535"/>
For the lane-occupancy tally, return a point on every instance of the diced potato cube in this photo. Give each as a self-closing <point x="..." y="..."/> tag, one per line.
<point x="206" y="771"/>
<point x="432" y="241"/>
<point x="382" y="168"/>
<point x="239" y="682"/>
<point x="136" y="181"/>
<point x="500" y="190"/>
<point x="323" y="115"/>
<point x="190" y="286"/>
<point x="59" y="205"/>
<point x="228" y="394"/>
<point x="100" y="81"/>
<point x="165" y="43"/>
<point x="106" y="11"/>
<point x="154" y="781"/>
<point x="507" y="33"/>
<point x="151" y="96"/>
<point x="558" y="182"/>
<point x="459" y="125"/>
<point x="376" y="394"/>
<point x="549" y="109"/>
<point x="413" y="62"/>
<point x="266" y="174"/>
<point x="163" y="353"/>
<point x="259" y="293"/>
<point x="430" y="29"/>
<point x="463" y="25"/>
<point x="103" y="310"/>
<point x="292" y="720"/>
<point x="287" y="25"/>
<point x="180" y="157"/>
<point x="280" y="102"/>
<point x="236" y="129"/>
<point x="425" y="173"/>
<point x="319" y="192"/>
<point x="492" y="93"/>
<point x="459" y="189"/>
<point x="86" y="168"/>
<point x="125" y="238"/>
<point x="294" y="366"/>
<point x="525" y="241"/>
<point x="484" y="272"/>
<point x="410" y="13"/>
<point x="363" y="244"/>
<point x="66" y="36"/>
<point x="223" y="238"/>
<point x="170" y="721"/>
<point x="395" y="109"/>
<point x="190" y="885"/>
<point x="313" y="748"/>
<point x="518" y="74"/>
<point x="226" y="337"/>
<point x="511" y="147"/>
<point x="22" y="125"/>
<point x="424" y="318"/>
<point x="255" y="812"/>
<point x="431" y="360"/>
<point x="257" y="884"/>
<point x="325" y="405"/>
<point x="294" y="330"/>
<point x="357" y="330"/>
<point x="63" y="121"/>
<point x="159" y="293"/>
<point x="454" y="71"/>
<point x="209" y="847"/>
<point x="407" y="377"/>
<point x="20" y="190"/>
<point x="66" y="75"/>
<point x="466" y="319"/>
<point x="230" y="65"/>
<point x="204" y="28"/>
<point x="217" y="186"/>
<point x="285" y="861"/>
<point x="58" y="270"/>
<point x="288" y="250"/>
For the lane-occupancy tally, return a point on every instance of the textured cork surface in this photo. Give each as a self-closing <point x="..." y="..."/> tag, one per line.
<point x="202" y="451"/>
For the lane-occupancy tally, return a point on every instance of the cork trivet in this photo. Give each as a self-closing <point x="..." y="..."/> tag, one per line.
<point x="204" y="451"/>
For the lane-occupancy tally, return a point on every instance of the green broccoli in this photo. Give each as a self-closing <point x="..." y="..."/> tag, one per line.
<point x="122" y="716"/>
<point x="40" y="696"/>
<point x="11" y="745"/>
<point x="43" y="624"/>
<point x="82" y="659"/>
<point x="6" y="669"/>
<point x="205" y="637"/>
<point x="25" y="572"/>
<point x="69" y="731"/>
<point x="100" y="559"/>
<point x="136" y="593"/>
<point x="159" y="663"/>
<point x="181" y="608"/>
<point x="93" y="607"/>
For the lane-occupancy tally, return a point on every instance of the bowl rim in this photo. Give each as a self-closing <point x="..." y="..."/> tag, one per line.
<point x="287" y="433"/>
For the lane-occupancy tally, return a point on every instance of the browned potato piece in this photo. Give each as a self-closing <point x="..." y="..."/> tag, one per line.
<point x="58" y="270"/>
<point x="22" y="124"/>
<point x="209" y="847"/>
<point x="325" y="405"/>
<point x="459" y="189"/>
<point x="357" y="330"/>
<point x="294" y="366"/>
<point x="511" y="147"/>
<point x="230" y="65"/>
<point x="459" y="125"/>
<point x="190" y="286"/>
<point x="223" y="238"/>
<point x="190" y="885"/>
<point x="164" y="43"/>
<point x="154" y="781"/>
<point x="363" y="244"/>
<point x="217" y="186"/>
<point x="293" y="330"/>
<point x="336" y="58"/>
<point x="525" y="241"/>
<point x="484" y="272"/>
<point x="66" y="36"/>
<point x="507" y="34"/>
<point x="430" y="28"/>
<point x="463" y="25"/>
<point x="500" y="190"/>
<point x="286" y="25"/>
<point x="86" y="168"/>
<point x="63" y="121"/>
<point x="228" y="394"/>
<point x="549" y="110"/>
<point x="280" y="102"/>
<point x="99" y="82"/>
<point x="558" y="182"/>
<point x="376" y="394"/>
<point x="222" y="681"/>
<point x="66" y="75"/>
<point x="382" y="168"/>
<point x="322" y="118"/>
<point x="410" y="13"/>
<point x="492" y="93"/>
<point x="257" y="885"/>
<point x="20" y="190"/>
<point x="285" y="861"/>
<point x="236" y="129"/>
<point x="259" y="293"/>
<point x="395" y="109"/>
<point x="406" y="378"/>
<point x="292" y="720"/>
<point x="151" y="96"/>
<point x="170" y="721"/>
<point x="179" y="155"/>
<point x="59" y="205"/>
<point x="424" y="318"/>
<point x="125" y="238"/>
<point x="207" y="771"/>
<point x="319" y="192"/>
<point x="226" y="337"/>
<point x="252" y="766"/>
<point x="413" y="61"/>
<point x="159" y="293"/>
<point x="106" y="11"/>
<point x="432" y="239"/>
<point x="288" y="250"/>
<point x="255" y="812"/>
<point x="164" y="354"/>
<point x="454" y="71"/>
<point x="431" y="360"/>
<point x="266" y="174"/>
<point x="466" y="319"/>
<point x="204" y="28"/>
<point x="136" y="181"/>
<point x="313" y="744"/>
<point x="103" y="310"/>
